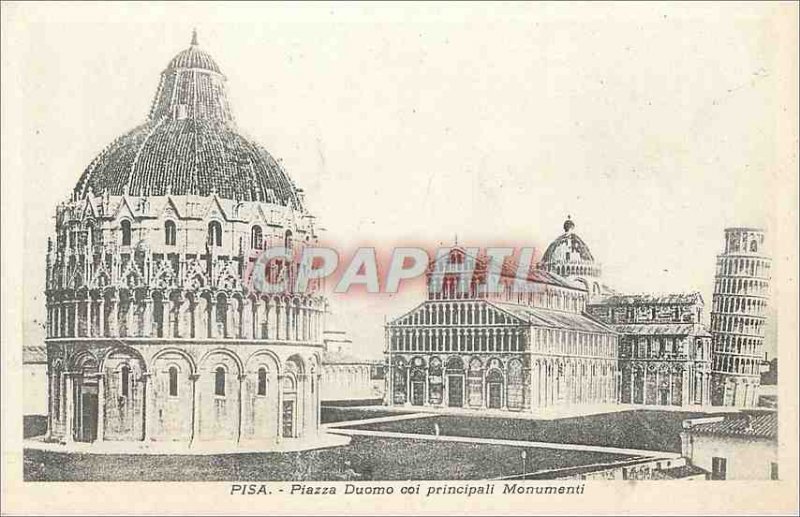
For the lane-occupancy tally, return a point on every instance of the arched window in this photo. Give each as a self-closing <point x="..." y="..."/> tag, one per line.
<point x="170" y="233"/>
<point x="214" y="233"/>
<point x="256" y="239"/>
<point x="262" y="381"/>
<point x="753" y="246"/>
<point x="125" y="381"/>
<point x="219" y="381"/>
<point x="287" y="240"/>
<point x="126" y="232"/>
<point x="173" y="381"/>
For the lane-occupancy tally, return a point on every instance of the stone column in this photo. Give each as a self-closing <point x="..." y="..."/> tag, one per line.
<point x="302" y="402"/>
<point x="187" y="314"/>
<point x="289" y="321"/>
<point x="242" y="378"/>
<point x="425" y="385"/>
<point x="149" y="406"/>
<point x="195" y="409"/>
<point x="129" y="313"/>
<point x="247" y="318"/>
<point x="69" y="403"/>
<point x="389" y="381"/>
<point x="203" y="317"/>
<point x="147" y="319"/>
<point x="408" y="385"/>
<point x="684" y="385"/>
<point x="50" y="407"/>
<point x="317" y="405"/>
<point x="91" y="310"/>
<point x="75" y="318"/>
<point x="279" y="435"/>
<point x="658" y="387"/>
<point x="169" y="316"/>
<point x="101" y="407"/>
<point x="504" y="392"/>
<point x="101" y="320"/>
<point x="484" y="389"/>
<point x="671" y="387"/>
<point x="644" y="385"/>
<point x="632" y="387"/>
<point x="213" y="328"/>
<point x="230" y="327"/>
<point x="49" y="321"/>
<point x="278" y="321"/>
<point x="261" y="316"/>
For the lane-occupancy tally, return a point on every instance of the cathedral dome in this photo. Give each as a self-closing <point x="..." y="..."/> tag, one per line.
<point x="569" y="255"/>
<point x="189" y="145"/>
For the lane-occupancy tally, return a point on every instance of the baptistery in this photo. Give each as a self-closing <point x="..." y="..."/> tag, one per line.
<point x="153" y="333"/>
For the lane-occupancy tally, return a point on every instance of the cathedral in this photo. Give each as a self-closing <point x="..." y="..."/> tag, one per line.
<point x="570" y="339"/>
<point x="151" y="334"/>
<point x="514" y="350"/>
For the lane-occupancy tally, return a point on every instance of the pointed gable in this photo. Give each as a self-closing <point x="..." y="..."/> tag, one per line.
<point x="214" y="209"/>
<point x="89" y="209"/>
<point x="123" y="210"/>
<point x="170" y="209"/>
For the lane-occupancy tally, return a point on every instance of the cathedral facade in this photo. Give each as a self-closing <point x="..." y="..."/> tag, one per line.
<point x="152" y="335"/>
<point x="509" y="350"/>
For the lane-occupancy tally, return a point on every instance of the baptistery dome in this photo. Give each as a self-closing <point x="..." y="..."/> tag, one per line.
<point x="189" y="145"/>
<point x="155" y="332"/>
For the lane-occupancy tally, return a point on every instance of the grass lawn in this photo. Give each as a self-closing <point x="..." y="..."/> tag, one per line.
<point x="331" y="414"/>
<point x="368" y="457"/>
<point x="34" y="425"/>
<point x="640" y="429"/>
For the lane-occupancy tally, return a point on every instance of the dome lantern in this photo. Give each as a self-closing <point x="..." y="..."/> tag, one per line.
<point x="568" y="224"/>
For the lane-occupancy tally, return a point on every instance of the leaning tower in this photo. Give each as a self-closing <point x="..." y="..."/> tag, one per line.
<point x="738" y="317"/>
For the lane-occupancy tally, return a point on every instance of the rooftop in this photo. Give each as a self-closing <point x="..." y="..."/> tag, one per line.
<point x="756" y="425"/>
<point x="652" y="299"/>
<point x="673" y="329"/>
<point x="554" y="318"/>
<point x="330" y="357"/>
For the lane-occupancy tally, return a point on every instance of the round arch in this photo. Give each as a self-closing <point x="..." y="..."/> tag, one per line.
<point x="203" y="363"/>
<point x="254" y="361"/>
<point x="173" y="350"/>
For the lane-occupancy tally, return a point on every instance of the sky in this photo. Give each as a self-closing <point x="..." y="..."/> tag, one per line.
<point x="655" y="126"/>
